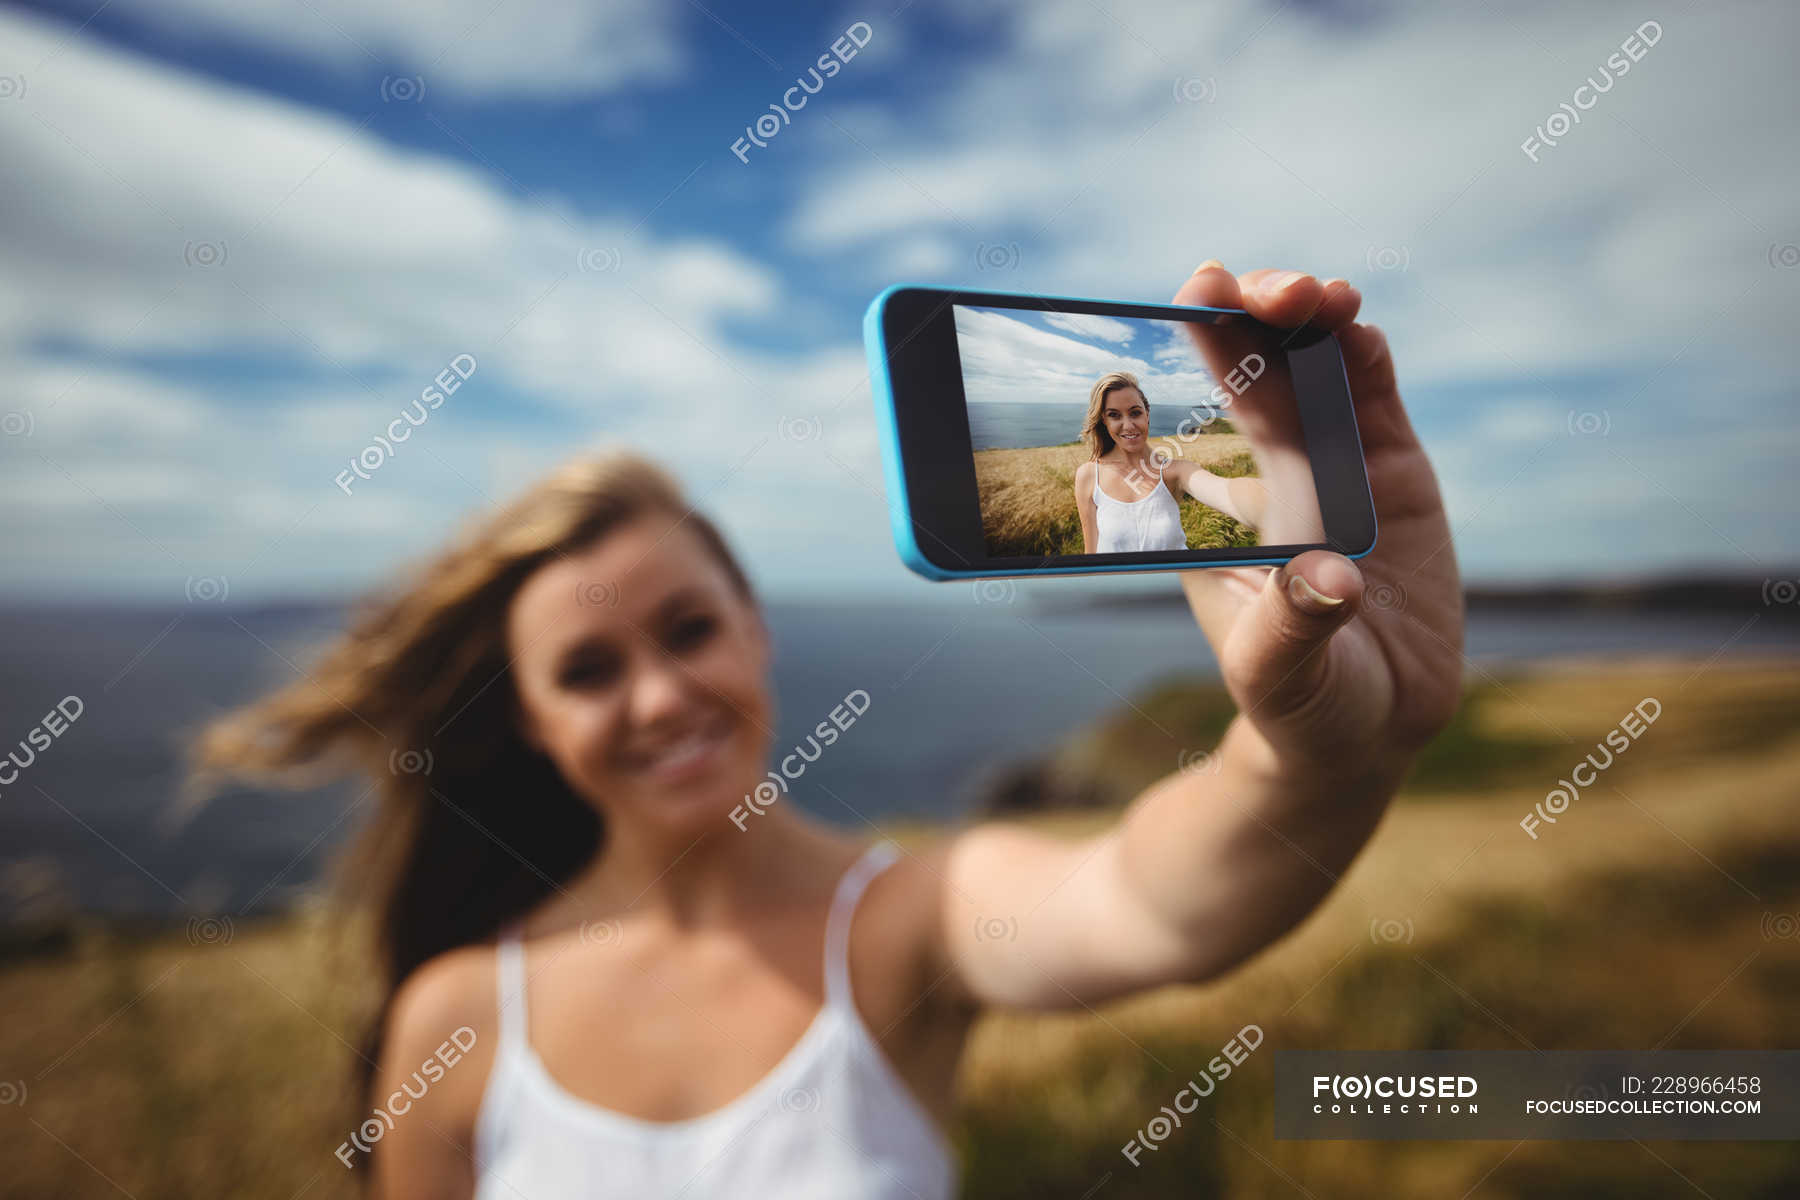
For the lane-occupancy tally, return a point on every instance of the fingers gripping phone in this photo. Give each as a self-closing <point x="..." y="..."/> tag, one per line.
<point x="1049" y="435"/>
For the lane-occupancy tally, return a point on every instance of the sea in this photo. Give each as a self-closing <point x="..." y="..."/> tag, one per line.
<point x="956" y="691"/>
<point x="1013" y="426"/>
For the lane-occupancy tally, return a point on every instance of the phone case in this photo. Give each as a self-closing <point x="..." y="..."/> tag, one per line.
<point x="881" y="389"/>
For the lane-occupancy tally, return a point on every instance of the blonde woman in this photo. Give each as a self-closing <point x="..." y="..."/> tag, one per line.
<point x="653" y="990"/>
<point x="1127" y="492"/>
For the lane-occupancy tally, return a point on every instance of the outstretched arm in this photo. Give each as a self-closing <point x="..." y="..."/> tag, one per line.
<point x="1241" y="499"/>
<point x="1335" y="698"/>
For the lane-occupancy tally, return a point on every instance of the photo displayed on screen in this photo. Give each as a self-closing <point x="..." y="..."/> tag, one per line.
<point x="1117" y="435"/>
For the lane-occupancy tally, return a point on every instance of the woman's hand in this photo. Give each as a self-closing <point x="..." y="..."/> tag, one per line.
<point x="1341" y="673"/>
<point x="1362" y="683"/>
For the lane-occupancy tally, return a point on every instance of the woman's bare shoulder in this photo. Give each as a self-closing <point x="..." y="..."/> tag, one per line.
<point x="446" y="1010"/>
<point x="903" y="908"/>
<point x="457" y="985"/>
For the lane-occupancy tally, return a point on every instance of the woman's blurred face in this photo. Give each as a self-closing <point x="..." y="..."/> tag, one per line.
<point x="1127" y="417"/>
<point x="642" y="674"/>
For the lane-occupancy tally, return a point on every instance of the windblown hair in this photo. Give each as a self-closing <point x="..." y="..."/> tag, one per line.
<point x="1093" y="428"/>
<point x="471" y="825"/>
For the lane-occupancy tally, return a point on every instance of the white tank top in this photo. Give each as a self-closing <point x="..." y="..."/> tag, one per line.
<point x="1150" y="523"/>
<point x="832" y="1120"/>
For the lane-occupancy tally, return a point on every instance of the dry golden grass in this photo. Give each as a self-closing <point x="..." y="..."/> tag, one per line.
<point x="1028" y="495"/>
<point x="1637" y="918"/>
<point x="160" y="1068"/>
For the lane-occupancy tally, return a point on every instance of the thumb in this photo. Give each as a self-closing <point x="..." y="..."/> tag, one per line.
<point x="1275" y="660"/>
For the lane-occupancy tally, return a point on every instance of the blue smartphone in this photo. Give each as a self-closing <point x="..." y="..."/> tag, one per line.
<point x="1051" y="435"/>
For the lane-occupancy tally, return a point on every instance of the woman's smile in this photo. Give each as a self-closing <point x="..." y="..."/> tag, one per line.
<point x="686" y="756"/>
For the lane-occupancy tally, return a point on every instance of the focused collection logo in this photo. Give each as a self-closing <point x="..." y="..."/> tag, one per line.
<point x="1401" y="1095"/>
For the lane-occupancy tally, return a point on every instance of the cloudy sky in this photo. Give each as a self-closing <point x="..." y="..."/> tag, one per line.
<point x="1026" y="356"/>
<point x="239" y="237"/>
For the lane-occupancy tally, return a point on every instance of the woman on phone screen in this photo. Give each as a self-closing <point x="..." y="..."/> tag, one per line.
<point x="1117" y="433"/>
<point x="661" y="991"/>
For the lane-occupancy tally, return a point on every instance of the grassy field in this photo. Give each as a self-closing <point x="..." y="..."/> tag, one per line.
<point x="214" y="1064"/>
<point x="1028" y="495"/>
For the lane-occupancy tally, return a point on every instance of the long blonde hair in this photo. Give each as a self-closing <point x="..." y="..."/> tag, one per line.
<point x="471" y="825"/>
<point x="1093" y="429"/>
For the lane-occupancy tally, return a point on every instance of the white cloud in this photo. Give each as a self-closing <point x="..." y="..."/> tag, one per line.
<point x="1005" y="361"/>
<point x="342" y="254"/>
<point x="922" y="256"/>
<point x="1095" y="328"/>
<point x="537" y="48"/>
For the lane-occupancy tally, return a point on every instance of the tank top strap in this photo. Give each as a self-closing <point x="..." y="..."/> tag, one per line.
<point x="1101" y="493"/>
<point x="509" y="977"/>
<point x="843" y="907"/>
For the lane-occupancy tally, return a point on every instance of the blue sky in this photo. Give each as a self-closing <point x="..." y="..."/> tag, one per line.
<point x="238" y="238"/>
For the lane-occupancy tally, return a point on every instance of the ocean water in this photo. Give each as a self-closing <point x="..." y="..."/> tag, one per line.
<point x="955" y="690"/>
<point x="1012" y="426"/>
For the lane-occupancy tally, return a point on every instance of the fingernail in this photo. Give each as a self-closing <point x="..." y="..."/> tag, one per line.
<point x="1286" y="279"/>
<point x="1310" y="598"/>
<point x="1211" y="262"/>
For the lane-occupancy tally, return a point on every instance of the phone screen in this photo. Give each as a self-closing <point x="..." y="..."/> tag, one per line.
<point x="1041" y="433"/>
<point x="1155" y="410"/>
